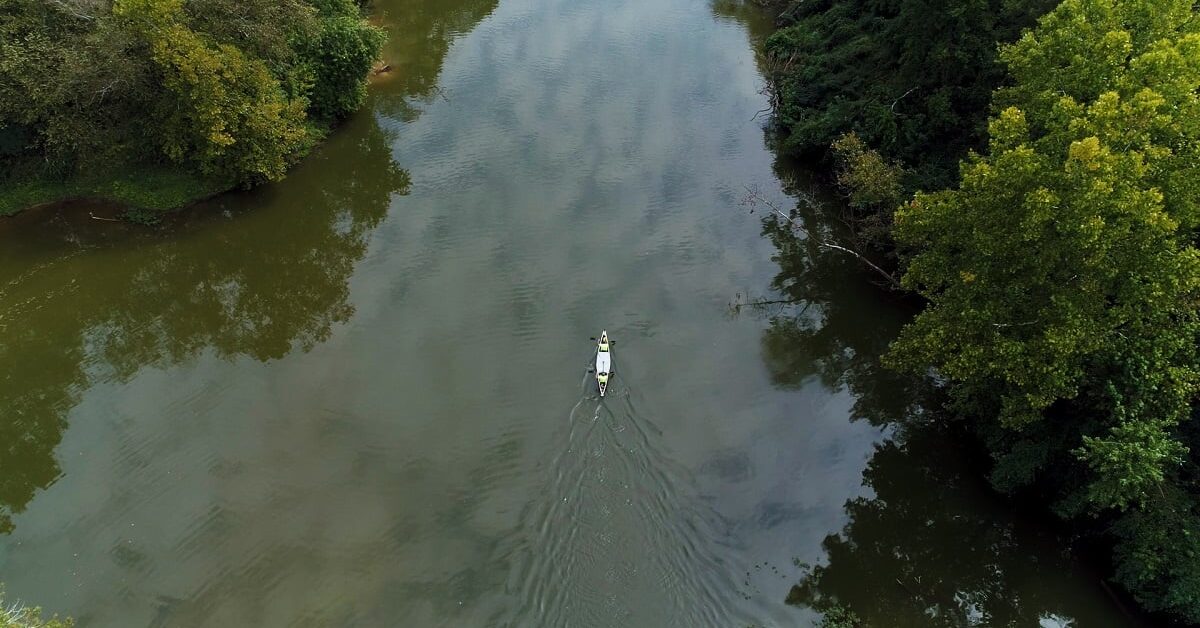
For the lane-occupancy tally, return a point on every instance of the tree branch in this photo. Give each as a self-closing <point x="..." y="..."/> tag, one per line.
<point x="754" y="197"/>
<point x="894" y="102"/>
<point x="73" y="10"/>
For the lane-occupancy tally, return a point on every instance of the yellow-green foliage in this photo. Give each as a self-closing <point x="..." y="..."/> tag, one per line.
<point x="229" y="115"/>
<point x="1062" y="276"/>
<point x="869" y="178"/>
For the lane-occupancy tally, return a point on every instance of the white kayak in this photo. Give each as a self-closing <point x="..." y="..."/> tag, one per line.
<point x="603" y="362"/>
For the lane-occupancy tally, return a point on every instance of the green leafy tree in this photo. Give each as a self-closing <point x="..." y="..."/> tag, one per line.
<point x="868" y="177"/>
<point x="873" y="188"/>
<point x="1157" y="553"/>
<point x="270" y="30"/>
<point x="342" y="53"/>
<point x="227" y="114"/>
<point x="71" y="83"/>
<point x="1061" y="274"/>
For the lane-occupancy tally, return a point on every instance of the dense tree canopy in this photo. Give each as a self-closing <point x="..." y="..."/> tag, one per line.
<point x="912" y="78"/>
<point x="1063" y="280"/>
<point x="225" y="111"/>
<point x="234" y="90"/>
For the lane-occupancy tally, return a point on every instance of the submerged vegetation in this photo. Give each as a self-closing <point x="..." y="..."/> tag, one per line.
<point x="156" y="102"/>
<point x="1059" y="267"/>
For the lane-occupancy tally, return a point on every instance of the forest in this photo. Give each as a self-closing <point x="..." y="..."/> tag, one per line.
<point x="157" y="102"/>
<point x="1028" y="170"/>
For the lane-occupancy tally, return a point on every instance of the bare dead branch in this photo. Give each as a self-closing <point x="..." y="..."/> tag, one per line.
<point x="893" y="107"/>
<point x="754" y="197"/>
<point x="76" y="8"/>
<point x="737" y="305"/>
<point x="1024" y="324"/>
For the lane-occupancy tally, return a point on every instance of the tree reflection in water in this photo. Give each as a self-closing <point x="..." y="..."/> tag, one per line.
<point x="91" y="302"/>
<point x="831" y="321"/>
<point x="101" y="301"/>
<point x="933" y="546"/>
<point x="420" y="35"/>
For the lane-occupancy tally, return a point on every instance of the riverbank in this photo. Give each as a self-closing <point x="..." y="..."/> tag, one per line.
<point x="141" y="191"/>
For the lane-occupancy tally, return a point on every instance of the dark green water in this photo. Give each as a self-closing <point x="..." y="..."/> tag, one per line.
<point x="358" y="398"/>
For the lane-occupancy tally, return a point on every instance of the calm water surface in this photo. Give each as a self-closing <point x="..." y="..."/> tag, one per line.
<point x="358" y="398"/>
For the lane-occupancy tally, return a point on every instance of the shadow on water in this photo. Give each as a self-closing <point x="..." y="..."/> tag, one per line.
<point x="827" y="320"/>
<point x="759" y="23"/>
<point x="933" y="546"/>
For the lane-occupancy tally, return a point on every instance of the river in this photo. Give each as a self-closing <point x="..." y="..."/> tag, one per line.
<point x="359" y="397"/>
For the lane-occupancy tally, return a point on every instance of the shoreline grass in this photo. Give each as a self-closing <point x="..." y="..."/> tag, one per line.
<point x="152" y="188"/>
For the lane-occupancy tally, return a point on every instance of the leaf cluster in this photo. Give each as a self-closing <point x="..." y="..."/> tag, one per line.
<point x="873" y="186"/>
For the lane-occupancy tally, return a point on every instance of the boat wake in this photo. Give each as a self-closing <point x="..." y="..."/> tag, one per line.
<point x="617" y="528"/>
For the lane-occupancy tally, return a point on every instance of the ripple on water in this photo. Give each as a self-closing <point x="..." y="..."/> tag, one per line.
<point x="618" y="536"/>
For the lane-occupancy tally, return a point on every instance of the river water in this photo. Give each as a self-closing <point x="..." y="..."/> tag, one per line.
<point x="359" y="397"/>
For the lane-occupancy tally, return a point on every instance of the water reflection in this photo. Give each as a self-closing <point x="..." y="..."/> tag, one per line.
<point x="933" y="546"/>
<point x="827" y="320"/>
<point x="750" y="15"/>
<point x="209" y="281"/>
<point x="415" y="464"/>
<point x="420" y="36"/>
